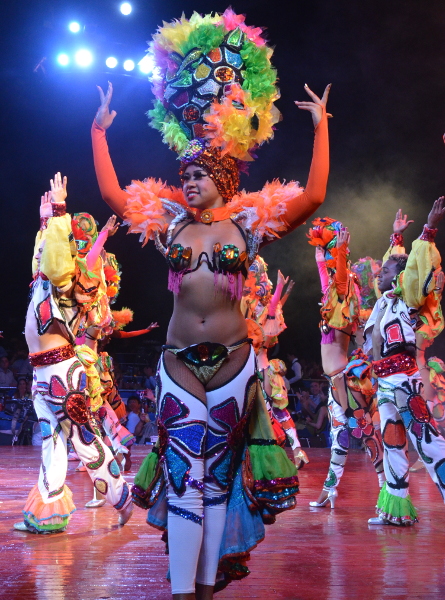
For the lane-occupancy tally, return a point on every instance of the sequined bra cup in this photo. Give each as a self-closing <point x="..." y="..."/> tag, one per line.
<point x="228" y="264"/>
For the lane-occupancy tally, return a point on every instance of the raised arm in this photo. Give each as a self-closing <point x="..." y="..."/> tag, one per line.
<point x="322" y="269"/>
<point x="281" y="282"/>
<point x="57" y="260"/>
<point x="300" y="208"/>
<point x="341" y="271"/>
<point x="109" y="186"/>
<point x="107" y="231"/>
<point x="418" y="278"/>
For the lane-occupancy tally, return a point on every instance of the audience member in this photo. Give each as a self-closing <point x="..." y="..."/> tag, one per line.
<point x="150" y="380"/>
<point x="295" y="369"/>
<point x="134" y="407"/>
<point x="7" y="378"/>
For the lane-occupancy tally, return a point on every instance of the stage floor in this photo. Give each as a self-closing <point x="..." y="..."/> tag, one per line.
<point x="309" y="554"/>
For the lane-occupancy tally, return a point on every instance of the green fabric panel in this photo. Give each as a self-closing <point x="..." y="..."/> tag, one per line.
<point x="270" y="462"/>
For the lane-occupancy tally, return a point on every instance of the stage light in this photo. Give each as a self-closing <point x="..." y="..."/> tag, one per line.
<point x="74" y="27"/>
<point x="83" y="58"/>
<point x="126" y="8"/>
<point x="111" y="62"/>
<point x="63" y="60"/>
<point x="129" y="65"/>
<point x="146" y="64"/>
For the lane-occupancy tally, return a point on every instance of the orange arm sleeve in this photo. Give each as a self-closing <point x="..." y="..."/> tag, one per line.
<point x="128" y="334"/>
<point x="109" y="186"/>
<point x="341" y="271"/>
<point x="304" y="205"/>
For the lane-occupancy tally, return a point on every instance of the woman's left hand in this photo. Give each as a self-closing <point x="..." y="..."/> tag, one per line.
<point x="111" y="226"/>
<point x="343" y="237"/>
<point x="318" y="106"/>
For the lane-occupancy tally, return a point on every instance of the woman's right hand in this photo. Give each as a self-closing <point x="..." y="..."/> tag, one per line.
<point x="319" y="254"/>
<point x="401" y="222"/>
<point x="104" y="117"/>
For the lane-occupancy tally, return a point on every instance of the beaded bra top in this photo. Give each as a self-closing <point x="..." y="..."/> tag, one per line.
<point x="228" y="263"/>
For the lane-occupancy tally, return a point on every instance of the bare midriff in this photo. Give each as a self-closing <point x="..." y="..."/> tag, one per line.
<point x="203" y="311"/>
<point x="53" y="338"/>
<point x="334" y="357"/>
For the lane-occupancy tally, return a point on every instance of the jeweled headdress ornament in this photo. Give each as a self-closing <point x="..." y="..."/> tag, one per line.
<point x="214" y="87"/>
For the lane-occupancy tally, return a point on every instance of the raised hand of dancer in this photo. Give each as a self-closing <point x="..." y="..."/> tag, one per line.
<point x="319" y="254"/>
<point x="280" y="279"/>
<point x="58" y="189"/>
<point x="343" y="237"/>
<point x="111" y="226"/>
<point x="401" y="222"/>
<point x="152" y="326"/>
<point x="318" y="105"/>
<point x="104" y="117"/>
<point x="437" y="213"/>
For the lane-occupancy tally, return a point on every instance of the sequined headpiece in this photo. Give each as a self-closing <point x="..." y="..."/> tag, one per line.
<point x="223" y="170"/>
<point x="85" y="232"/>
<point x="215" y="87"/>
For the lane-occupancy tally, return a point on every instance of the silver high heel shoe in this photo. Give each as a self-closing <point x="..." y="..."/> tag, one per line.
<point x="331" y="497"/>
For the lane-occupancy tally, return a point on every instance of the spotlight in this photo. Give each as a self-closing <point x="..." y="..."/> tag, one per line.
<point x="74" y="27"/>
<point x="63" y="60"/>
<point x="111" y="62"/>
<point x="83" y="58"/>
<point x="126" y="8"/>
<point x="129" y="65"/>
<point x="146" y="64"/>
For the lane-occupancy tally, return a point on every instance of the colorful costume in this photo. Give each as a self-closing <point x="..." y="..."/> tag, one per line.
<point x="215" y="90"/>
<point x="340" y="309"/>
<point x="401" y="406"/>
<point x="60" y="396"/>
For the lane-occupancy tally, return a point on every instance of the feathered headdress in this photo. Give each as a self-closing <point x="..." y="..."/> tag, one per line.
<point x="366" y="270"/>
<point x="213" y="82"/>
<point x="324" y="234"/>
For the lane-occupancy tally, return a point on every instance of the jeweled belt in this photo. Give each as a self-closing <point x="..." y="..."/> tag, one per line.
<point x="52" y="357"/>
<point x="398" y="363"/>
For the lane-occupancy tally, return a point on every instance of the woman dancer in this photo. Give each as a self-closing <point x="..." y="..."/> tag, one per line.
<point x="209" y="233"/>
<point x="351" y="390"/>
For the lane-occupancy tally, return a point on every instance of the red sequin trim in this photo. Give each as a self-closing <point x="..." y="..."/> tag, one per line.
<point x="59" y="210"/>
<point x="428" y="234"/>
<point x="396" y="239"/>
<point x="399" y="363"/>
<point x="51" y="357"/>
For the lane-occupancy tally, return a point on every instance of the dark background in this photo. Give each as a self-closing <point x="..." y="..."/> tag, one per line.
<point x="386" y="61"/>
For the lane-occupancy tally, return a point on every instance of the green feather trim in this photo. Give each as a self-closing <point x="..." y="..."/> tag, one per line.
<point x="157" y="115"/>
<point x="270" y="462"/>
<point x="147" y="471"/>
<point x="206" y="38"/>
<point x="259" y="76"/>
<point x="397" y="510"/>
<point x="173" y="135"/>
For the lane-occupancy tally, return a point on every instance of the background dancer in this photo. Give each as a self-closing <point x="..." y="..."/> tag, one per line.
<point x="351" y="390"/>
<point x="59" y="394"/>
<point x="218" y="67"/>
<point x="405" y="282"/>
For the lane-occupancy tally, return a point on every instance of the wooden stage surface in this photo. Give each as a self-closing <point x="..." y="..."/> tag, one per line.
<point x="309" y="554"/>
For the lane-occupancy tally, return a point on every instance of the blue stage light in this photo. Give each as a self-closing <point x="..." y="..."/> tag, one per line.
<point x="146" y="64"/>
<point x="129" y="65"/>
<point x="126" y="8"/>
<point x="74" y="27"/>
<point x="111" y="62"/>
<point x="83" y="58"/>
<point x="63" y="59"/>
